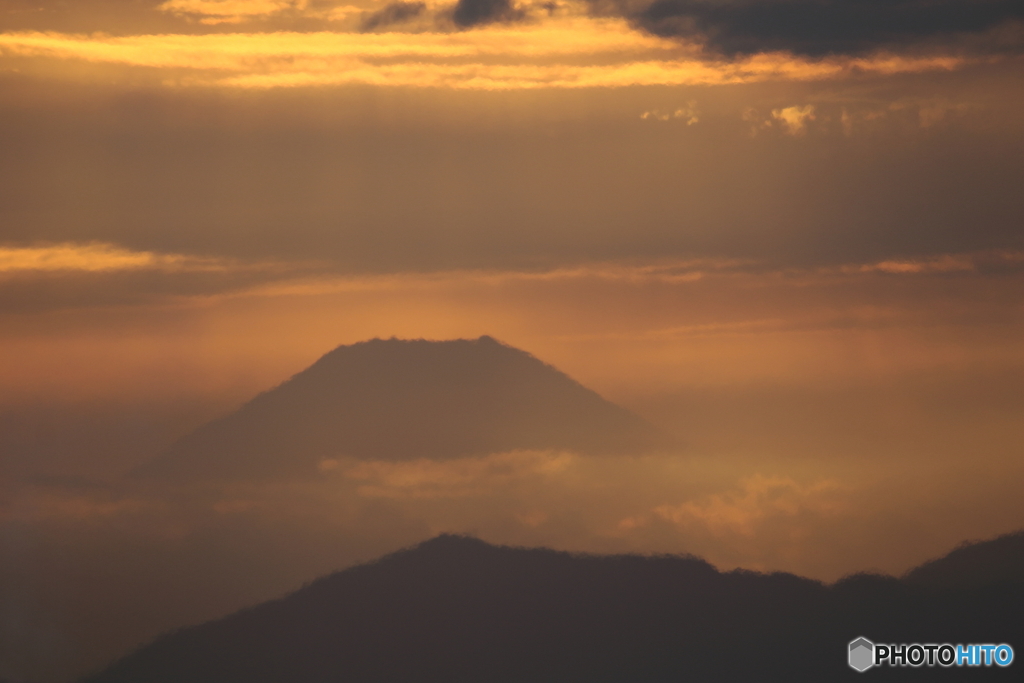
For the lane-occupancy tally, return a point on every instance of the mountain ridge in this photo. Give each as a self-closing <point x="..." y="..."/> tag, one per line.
<point x="455" y="608"/>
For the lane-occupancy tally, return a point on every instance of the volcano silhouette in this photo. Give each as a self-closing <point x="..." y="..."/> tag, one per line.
<point x="406" y="399"/>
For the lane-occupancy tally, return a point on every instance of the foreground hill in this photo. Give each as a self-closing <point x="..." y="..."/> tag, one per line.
<point x="1000" y="560"/>
<point x="397" y="400"/>
<point x="456" y="609"/>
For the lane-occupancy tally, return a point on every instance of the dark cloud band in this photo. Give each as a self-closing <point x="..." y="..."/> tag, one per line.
<point x="820" y="27"/>
<point x="464" y="14"/>
<point x="476" y="12"/>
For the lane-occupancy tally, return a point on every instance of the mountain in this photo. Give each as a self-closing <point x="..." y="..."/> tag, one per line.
<point x="398" y="400"/>
<point x="994" y="562"/>
<point x="455" y="609"/>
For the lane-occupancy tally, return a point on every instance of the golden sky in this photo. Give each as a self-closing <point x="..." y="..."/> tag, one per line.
<point x="797" y="248"/>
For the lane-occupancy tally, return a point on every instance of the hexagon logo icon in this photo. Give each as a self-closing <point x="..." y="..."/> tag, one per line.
<point x="862" y="654"/>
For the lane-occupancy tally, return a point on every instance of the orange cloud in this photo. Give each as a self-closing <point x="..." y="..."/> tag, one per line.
<point x="97" y="257"/>
<point x="759" y="497"/>
<point x="794" y="118"/>
<point x="571" y="52"/>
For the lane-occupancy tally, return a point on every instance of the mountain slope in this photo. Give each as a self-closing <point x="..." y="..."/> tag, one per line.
<point x="397" y="400"/>
<point x="1000" y="560"/>
<point x="456" y="609"/>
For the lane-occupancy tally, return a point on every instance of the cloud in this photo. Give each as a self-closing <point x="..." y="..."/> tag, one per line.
<point x="758" y="498"/>
<point x="469" y="13"/>
<point x="818" y="28"/>
<point x="230" y="11"/>
<point x="687" y="114"/>
<point x="256" y="51"/>
<point x="794" y="118"/>
<point x="944" y="263"/>
<point x="98" y="258"/>
<point x="76" y="275"/>
<point x="425" y="478"/>
<point x="1006" y="260"/>
<point x="394" y="13"/>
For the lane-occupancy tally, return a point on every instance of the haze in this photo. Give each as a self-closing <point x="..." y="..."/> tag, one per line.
<point x="795" y="251"/>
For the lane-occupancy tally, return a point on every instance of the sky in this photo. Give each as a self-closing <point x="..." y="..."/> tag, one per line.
<point x="787" y="232"/>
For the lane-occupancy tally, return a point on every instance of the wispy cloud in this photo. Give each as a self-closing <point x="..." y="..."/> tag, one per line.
<point x="98" y="258"/>
<point x="941" y="263"/>
<point x="426" y="478"/>
<point x="662" y="272"/>
<point x="743" y="510"/>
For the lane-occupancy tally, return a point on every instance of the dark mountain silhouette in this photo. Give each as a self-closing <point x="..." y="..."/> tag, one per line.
<point x="397" y="400"/>
<point x="975" y="565"/>
<point x="456" y="609"/>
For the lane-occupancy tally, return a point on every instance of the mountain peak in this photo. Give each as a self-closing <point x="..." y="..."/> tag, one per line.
<point x="397" y="399"/>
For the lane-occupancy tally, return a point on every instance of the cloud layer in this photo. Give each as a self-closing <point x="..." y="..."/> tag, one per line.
<point x="573" y="53"/>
